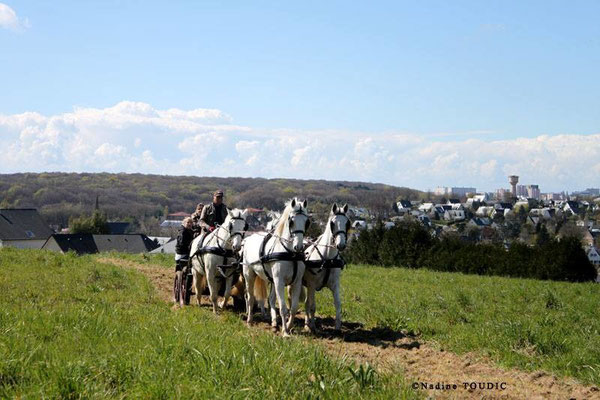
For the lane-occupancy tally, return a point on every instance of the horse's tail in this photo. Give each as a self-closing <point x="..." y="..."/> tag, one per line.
<point x="200" y="285"/>
<point x="260" y="288"/>
<point x="238" y="287"/>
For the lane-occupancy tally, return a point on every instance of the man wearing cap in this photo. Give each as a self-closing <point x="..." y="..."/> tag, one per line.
<point x="214" y="213"/>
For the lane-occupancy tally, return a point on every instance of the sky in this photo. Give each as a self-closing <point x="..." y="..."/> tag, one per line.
<point x="417" y="94"/>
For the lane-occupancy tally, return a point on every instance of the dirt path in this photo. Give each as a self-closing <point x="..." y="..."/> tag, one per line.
<point x="420" y="362"/>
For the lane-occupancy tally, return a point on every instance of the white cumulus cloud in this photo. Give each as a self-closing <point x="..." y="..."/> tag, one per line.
<point x="136" y="137"/>
<point x="10" y="20"/>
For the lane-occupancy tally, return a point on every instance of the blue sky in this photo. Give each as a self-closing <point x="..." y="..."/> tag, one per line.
<point x="431" y="78"/>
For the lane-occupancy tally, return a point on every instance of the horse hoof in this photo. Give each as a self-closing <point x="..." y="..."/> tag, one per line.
<point x="286" y="335"/>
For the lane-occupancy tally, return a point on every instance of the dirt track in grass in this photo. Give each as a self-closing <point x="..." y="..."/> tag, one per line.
<point x="418" y="361"/>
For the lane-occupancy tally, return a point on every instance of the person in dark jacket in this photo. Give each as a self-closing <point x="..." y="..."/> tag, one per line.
<point x="184" y="239"/>
<point x="213" y="214"/>
<point x="185" y="236"/>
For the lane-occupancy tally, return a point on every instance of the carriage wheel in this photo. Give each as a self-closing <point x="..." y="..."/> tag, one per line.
<point x="186" y="288"/>
<point x="177" y="287"/>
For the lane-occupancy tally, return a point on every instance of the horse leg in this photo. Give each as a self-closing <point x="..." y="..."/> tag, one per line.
<point x="249" y="277"/>
<point x="295" y="290"/>
<point x="272" y="304"/>
<point x="199" y="284"/>
<point x="227" y="293"/>
<point x="338" y="306"/>
<point x="196" y="284"/>
<point x="283" y="310"/>
<point x="213" y="287"/>
<point x="310" y="305"/>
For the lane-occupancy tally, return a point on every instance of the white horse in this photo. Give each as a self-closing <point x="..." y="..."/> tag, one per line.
<point x="216" y="247"/>
<point x="278" y="260"/>
<point x="324" y="265"/>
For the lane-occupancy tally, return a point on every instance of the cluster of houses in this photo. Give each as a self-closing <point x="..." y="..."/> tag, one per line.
<point x="24" y="228"/>
<point x="486" y="215"/>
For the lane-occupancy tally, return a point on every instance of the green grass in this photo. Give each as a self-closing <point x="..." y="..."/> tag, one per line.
<point x="521" y="323"/>
<point x="163" y="260"/>
<point x="74" y="328"/>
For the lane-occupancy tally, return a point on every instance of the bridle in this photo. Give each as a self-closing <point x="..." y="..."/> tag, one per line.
<point x="339" y="231"/>
<point x="334" y="234"/>
<point x="291" y="223"/>
<point x="221" y="245"/>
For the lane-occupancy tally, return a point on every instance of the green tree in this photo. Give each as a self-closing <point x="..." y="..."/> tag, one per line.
<point x="542" y="237"/>
<point x="95" y="224"/>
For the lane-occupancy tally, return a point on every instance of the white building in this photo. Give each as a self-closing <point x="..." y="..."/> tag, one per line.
<point x="454" y="191"/>
<point x="454" y="215"/>
<point x="594" y="256"/>
<point x="533" y="191"/>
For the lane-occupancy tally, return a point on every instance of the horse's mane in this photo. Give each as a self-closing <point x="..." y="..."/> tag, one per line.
<point x="283" y="222"/>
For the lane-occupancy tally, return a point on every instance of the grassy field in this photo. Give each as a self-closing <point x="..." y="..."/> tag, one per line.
<point x="73" y="328"/>
<point x="523" y="323"/>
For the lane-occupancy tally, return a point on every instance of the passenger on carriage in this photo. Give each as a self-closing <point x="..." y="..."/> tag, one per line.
<point x="185" y="236"/>
<point x="213" y="214"/>
<point x="196" y="227"/>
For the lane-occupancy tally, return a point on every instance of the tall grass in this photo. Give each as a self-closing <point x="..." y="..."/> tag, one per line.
<point x="522" y="323"/>
<point x="73" y="328"/>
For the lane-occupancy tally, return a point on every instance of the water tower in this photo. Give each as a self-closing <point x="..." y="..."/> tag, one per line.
<point x="513" y="180"/>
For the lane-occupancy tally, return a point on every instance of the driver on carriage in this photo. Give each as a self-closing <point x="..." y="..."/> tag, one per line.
<point x="213" y="214"/>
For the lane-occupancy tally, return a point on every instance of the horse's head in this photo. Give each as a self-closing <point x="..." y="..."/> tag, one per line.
<point x="236" y="225"/>
<point x="339" y="223"/>
<point x="298" y="223"/>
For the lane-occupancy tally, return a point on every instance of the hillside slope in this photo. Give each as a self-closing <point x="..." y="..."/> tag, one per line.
<point x="60" y="195"/>
<point x="100" y="331"/>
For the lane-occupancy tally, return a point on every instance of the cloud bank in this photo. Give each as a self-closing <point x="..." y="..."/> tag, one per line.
<point x="10" y="21"/>
<point x="135" y="137"/>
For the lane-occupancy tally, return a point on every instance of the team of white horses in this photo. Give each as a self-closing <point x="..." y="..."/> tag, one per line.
<point x="281" y="257"/>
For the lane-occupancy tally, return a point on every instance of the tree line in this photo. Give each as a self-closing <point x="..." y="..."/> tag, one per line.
<point x="410" y="244"/>
<point x="144" y="200"/>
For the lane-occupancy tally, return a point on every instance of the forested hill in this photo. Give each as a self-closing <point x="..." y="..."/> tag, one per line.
<point x="61" y="195"/>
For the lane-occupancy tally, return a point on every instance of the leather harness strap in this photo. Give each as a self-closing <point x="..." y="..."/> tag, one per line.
<point x="327" y="265"/>
<point x="278" y="256"/>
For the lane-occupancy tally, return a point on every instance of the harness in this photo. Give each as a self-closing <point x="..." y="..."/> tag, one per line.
<point x="324" y="264"/>
<point x="219" y="250"/>
<point x="288" y="255"/>
<point x="327" y="264"/>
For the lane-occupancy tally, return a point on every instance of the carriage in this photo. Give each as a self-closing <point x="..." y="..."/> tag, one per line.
<point x="279" y="257"/>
